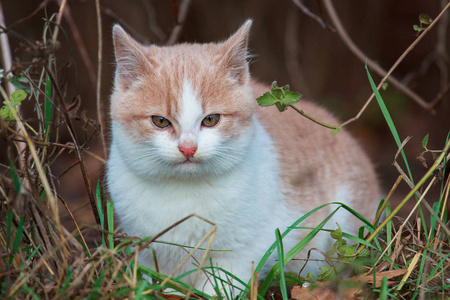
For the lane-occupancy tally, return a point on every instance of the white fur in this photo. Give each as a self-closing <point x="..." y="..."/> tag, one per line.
<point x="191" y="113"/>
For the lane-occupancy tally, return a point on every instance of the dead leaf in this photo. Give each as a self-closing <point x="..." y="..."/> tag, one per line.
<point x="379" y="277"/>
<point x="325" y="290"/>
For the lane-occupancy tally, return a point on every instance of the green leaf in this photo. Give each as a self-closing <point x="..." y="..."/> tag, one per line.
<point x="349" y="250"/>
<point x="266" y="100"/>
<point x="417" y="28"/>
<point x="363" y="253"/>
<point x="277" y="91"/>
<point x="327" y="273"/>
<point x="6" y="113"/>
<point x="337" y="234"/>
<point x="280" y="96"/>
<point x="17" y="97"/>
<point x="425" y="142"/>
<point x="281" y="107"/>
<point x="311" y="277"/>
<point x="291" y="97"/>
<point x="425" y="19"/>
<point x="384" y="86"/>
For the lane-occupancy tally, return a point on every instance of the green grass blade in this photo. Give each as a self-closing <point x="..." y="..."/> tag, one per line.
<point x="389" y="121"/>
<point x="14" y="176"/>
<point x="294" y="251"/>
<point x="384" y="289"/>
<point x="140" y="289"/>
<point x="395" y="134"/>
<point x="216" y="284"/>
<point x="172" y="283"/>
<point x="9" y="219"/>
<point x="110" y="216"/>
<point x="66" y="282"/>
<point x="17" y="240"/>
<point x="101" y="215"/>
<point x="239" y="281"/>
<point x="48" y="107"/>
<point x="96" y="288"/>
<point x="281" y="264"/>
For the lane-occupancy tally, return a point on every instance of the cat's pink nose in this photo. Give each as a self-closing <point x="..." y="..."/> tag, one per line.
<point x="188" y="151"/>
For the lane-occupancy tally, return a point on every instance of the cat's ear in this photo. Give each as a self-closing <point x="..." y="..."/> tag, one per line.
<point x="236" y="54"/>
<point x="130" y="58"/>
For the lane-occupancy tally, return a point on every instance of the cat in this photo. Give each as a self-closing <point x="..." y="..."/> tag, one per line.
<point x="188" y="138"/>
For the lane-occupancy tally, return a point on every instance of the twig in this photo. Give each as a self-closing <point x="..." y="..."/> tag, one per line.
<point x="41" y="6"/>
<point x="312" y="119"/>
<point x="442" y="55"/>
<point x="100" y="108"/>
<point x="62" y="6"/>
<point x="7" y="64"/>
<point x="78" y="151"/>
<point x="334" y="17"/>
<point x="6" y="53"/>
<point x="307" y="12"/>
<point x="151" y="19"/>
<point x="181" y="17"/>
<point x="291" y="51"/>
<point x="440" y="95"/>
<point x="109" y="12"/>
<point x="80" y="46"/>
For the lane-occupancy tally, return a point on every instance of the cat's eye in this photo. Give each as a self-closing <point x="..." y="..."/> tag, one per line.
<point x="161" y="122"/>
<point x="211" y="120"/>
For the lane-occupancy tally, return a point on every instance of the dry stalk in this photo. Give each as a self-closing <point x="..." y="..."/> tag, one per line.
<point x="100" y="108"/>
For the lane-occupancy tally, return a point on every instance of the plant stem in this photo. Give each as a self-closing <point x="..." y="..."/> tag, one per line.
<point x="312" y="119"/>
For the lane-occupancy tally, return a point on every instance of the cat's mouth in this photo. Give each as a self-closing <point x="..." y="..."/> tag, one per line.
<point x="187" y="161"/>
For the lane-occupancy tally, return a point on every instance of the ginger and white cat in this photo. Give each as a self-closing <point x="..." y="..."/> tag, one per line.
<point x="188" y="138"/>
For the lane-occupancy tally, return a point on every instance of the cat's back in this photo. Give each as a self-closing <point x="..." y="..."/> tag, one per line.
<point x="315" y="164"/>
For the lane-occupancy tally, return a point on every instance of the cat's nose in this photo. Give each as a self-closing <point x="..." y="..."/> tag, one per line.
<point x="188" y="150"/>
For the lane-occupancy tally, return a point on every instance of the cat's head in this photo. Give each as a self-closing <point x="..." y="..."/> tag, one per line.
<point x="182" y="111"/>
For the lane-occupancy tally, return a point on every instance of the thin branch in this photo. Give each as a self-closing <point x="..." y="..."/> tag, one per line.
<point x="109" y="12"/>
<point x="372" y="64"/>
<point x="62" y="6"/>
<point x="81" y="46"/>
<point x="440" y="95"/>
<point x="307" y="12"/>
<point x="78" y="151"/>
<point x="151" y="19"/>
<point x="182" y="14"/>
<point x="312" y="119"/>
<point x="10" y="88"/>
<point x="292" y="52"/>
<point x="5" y="52"/>
<point x="100" y="108"/>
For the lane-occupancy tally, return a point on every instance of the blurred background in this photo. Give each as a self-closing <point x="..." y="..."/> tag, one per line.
<point x="287" y="45"/>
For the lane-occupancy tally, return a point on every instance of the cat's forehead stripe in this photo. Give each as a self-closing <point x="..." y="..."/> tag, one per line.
<point x="191" y="110"/>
